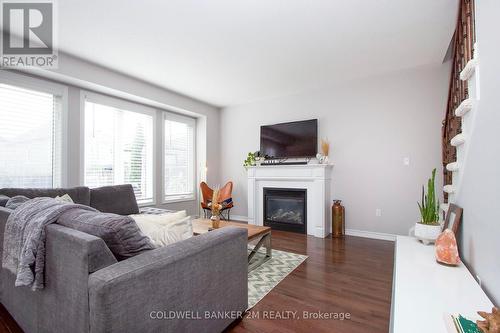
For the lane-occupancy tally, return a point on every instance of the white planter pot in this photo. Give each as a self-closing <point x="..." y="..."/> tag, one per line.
<point x="427" y="233"/>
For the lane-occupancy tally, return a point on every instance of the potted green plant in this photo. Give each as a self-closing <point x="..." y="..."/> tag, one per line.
<point x="429" y="228"/>
<point x="253" y="159"/>
<point x="250" y="160"/>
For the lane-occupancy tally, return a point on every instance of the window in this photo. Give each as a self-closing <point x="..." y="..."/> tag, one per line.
<point x="30" y="135"/>
<point x="119" y="147"/>
<point x="179" y="158"/>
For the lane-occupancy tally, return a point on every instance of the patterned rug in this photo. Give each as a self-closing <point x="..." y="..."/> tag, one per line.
<point x="267" y="276"/>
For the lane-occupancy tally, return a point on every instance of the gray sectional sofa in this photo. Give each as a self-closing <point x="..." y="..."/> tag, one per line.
<point x="195" y="285"/>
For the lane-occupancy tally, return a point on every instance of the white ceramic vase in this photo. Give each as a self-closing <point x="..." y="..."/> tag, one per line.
<point x="427" y="233"/>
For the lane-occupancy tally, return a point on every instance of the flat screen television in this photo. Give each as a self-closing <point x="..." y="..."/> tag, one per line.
<point x="290" y="140"/>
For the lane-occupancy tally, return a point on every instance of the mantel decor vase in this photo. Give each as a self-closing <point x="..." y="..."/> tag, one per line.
<point x="338" y="219"/>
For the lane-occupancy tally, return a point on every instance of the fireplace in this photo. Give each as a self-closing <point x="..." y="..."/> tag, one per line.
<point x="313" y="179"/>
<point x="285" y="209"/>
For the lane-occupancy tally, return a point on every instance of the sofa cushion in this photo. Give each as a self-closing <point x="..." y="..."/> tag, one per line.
<point x="16" y="201"/>
<point x="120" y="233"/>
<point x="118" y="199"/>
<point x="80" y="195"/>
<point x="3" y="200"/>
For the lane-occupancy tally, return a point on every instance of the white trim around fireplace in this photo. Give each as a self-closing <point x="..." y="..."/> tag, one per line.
<point x="315" y="178"/>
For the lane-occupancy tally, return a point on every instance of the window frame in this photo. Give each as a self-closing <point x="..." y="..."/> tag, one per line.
<point x="159" y="114"/>
<point x="48" y="87"/>
<point x="167" y="115"/>
<point x="88" y="96"/>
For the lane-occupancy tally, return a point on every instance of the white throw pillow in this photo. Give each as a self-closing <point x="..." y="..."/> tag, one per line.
<point x="64" y="198"/>
<point x="160" y="219"/>
<point x="166" y="228"/>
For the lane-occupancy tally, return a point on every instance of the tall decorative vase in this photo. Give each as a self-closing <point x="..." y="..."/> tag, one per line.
<point x="338" y="219"/>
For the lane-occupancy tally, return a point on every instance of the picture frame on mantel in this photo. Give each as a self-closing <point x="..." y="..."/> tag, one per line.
<point x="453" y="218"/>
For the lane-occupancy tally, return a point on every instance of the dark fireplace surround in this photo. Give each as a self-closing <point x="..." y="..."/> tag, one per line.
<point x="285" y="209"/>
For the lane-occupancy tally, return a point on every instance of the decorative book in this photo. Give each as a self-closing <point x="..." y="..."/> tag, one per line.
<point x="459" y="324"/>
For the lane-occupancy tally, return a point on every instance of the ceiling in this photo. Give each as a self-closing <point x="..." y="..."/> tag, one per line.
<point x="228" y="52"/>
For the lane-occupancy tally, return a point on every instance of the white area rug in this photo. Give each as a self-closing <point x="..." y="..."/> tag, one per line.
<point x="267" y="276"/>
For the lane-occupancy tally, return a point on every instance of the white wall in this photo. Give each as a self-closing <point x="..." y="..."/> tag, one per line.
<point x="480" y="189"/>
<point x="80" y="75"/>
<point x="372" y="124"/>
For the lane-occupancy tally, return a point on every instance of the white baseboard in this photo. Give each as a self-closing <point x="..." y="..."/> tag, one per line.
<point x="350" y="232"/>
<point x="239" y="218"/>
<point x="370" y="234"/>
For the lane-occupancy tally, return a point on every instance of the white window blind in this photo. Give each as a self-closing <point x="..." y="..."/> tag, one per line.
<point x="30" y="138"/>
<point x="179" y="158"/>
<point x="119" y="149"/>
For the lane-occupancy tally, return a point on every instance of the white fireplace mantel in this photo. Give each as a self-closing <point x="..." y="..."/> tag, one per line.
<point x="315" y="178"/>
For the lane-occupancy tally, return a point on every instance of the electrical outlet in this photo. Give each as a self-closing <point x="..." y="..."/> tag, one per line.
<point x="406" y="161"/>
<point x="478" y="278"/>
<point x="378" y="212"/>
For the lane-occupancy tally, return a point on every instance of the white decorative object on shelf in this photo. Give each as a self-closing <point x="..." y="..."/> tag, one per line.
<point x="469" y="69"/>
<point x="458" y="140"/>
<point x="322" y="159"/>
<point x="454" y="166"/>
<point x="449" y="189"/>
<point x="464" y="107"/>
<point x="444" y="207"/>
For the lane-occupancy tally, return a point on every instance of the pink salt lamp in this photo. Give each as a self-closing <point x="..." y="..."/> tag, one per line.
<point x="446" y="248"/>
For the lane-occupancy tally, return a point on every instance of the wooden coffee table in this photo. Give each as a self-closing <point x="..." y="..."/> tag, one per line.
<point x="255" y="232"/>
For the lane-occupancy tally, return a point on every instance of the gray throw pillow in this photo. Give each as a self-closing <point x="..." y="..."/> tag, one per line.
<point x="117" y="199"/>
<point x="120" y="233"/>
<point x="16" y="201"/>
<point x="3" y="200"/>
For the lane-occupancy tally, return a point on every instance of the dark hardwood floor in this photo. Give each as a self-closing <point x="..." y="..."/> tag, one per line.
<point x="351" y="275"/>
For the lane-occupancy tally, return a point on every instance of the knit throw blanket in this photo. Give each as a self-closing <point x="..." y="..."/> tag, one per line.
<point x="24" y="239"/>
